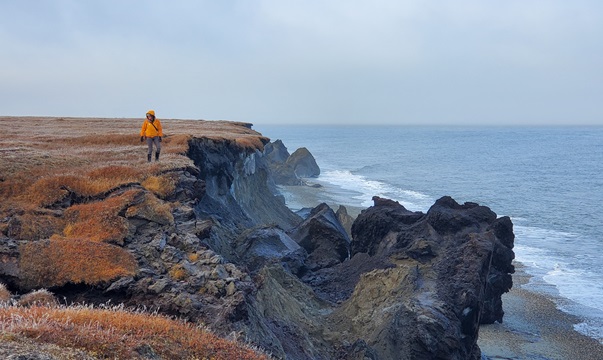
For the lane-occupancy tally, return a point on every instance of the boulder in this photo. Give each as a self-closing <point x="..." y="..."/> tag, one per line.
<point x="289" y="169"/>
<point x="373" y="225"/>
<point x="258" y="247"/>
<point x="303" y="163"/>
<point x="276" y="155"/>
<point x="323" y="237"/>
<point x="276" y="152"/>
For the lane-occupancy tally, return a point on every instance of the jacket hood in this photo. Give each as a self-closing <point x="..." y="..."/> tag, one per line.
<point x="151" y="112"/>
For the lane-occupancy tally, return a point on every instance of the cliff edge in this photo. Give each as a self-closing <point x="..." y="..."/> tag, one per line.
<point x="203" y="235"/>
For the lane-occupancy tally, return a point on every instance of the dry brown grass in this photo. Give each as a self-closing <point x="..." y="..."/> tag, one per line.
<point x="34" y="226"/>
<point x="153" y="209"/>
<point x="100" y="220"/>
<point x="41" y="297"/>
<point x="250" y="142"/>
<point x="58" y="261"/>
<point x="114" y="174"/>
<point x="163" y="185"/>
<point x="177" y="144"/>
<point x="178" y="272"/>
<point x="193" y="257"/>
<point x="115" y="333"/>
<point x="5" y="295"/>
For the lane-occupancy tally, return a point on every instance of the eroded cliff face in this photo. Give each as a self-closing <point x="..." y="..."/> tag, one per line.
<point x="238" y="195"/>
<point x="406" y="285"/>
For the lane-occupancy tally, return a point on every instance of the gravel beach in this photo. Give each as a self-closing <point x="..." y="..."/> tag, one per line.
<point x="533" y="328"/>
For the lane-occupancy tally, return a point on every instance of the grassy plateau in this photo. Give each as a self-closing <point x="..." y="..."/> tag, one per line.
<point x="68" y="186"/>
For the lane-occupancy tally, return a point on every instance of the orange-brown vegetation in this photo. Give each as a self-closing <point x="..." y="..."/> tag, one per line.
<point x="50" y="190"/>
<point x="250" y="142"/>
<point x="178" y="272"/>
<point x="34" y="226"/>
<point x="119" y="334"/>
<point x="101" y="220"/>
<point x="58" y="261"/>
<point x="41" y="297"/>
<point x="152" y="209"/>
<point x="193" y="257"/>
<point x="177" y="143"/>
<point x="116" y="174"/>
<point x="5" y="295"/>
<point x="163" y="185"/>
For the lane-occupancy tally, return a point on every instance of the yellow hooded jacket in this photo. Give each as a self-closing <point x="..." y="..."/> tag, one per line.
<point x="151" y="129"/>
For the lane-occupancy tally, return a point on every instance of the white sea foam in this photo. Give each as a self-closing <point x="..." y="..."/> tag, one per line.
<point x="367" y="188"/>
<point x="583" y="287"/>
<point x="591" y="328"/>
<point x="572" y="274"/>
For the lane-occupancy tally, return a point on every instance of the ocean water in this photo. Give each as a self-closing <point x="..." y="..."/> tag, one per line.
<point x="549" y="180"/>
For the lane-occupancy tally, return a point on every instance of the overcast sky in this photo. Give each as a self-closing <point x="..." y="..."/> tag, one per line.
<point x="306" y="61"/>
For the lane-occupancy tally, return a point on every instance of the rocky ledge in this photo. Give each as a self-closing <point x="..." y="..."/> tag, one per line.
<point x="404" y="285"/>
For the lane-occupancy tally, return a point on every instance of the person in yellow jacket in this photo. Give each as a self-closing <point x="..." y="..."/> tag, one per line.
<point x="152" y="132"/>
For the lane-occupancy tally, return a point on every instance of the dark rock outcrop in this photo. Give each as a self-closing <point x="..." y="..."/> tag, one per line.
<point x="303" y="163"/>
<point x="260" y="247"/>
<point x="371" y="228"/>
<point x="276" y="152"/>
<point x="276" y="156"/>
<point x="323" y="237"/>
<point x="237" y="196"/>
<point x="345" y="219"/>
<point x="9" y="260"/>
<point x="290" y="169"/>
<point x="445" y="278"/>
<point x="416" y="287"/>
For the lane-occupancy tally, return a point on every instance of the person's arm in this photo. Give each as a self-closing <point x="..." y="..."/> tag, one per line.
<point x="159" y="128"/>
<point x="143" y="131"/>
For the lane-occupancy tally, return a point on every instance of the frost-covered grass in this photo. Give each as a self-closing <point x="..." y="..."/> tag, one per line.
<point x="117" y="333"/>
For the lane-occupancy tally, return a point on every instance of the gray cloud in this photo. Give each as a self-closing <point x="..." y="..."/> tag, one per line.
<point x="270" y="61"/>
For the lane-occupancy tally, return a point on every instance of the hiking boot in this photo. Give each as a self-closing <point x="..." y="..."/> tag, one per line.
<point x="149" y="157"/>
<point x="156" y="156"/>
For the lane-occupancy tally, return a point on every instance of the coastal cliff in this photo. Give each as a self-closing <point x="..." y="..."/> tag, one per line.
<point x="221" y="248"/>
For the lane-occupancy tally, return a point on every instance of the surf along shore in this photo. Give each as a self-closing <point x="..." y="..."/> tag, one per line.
<point x="533" y="327"/>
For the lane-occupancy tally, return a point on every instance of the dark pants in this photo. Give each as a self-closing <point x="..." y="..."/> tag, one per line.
<point x="151" y="141"/>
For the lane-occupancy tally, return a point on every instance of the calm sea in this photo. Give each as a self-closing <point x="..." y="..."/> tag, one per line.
<point x="549" y="180"/>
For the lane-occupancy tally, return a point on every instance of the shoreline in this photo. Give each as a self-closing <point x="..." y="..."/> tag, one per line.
<point x="298" y="197"/>
<point x="533" y="327"/>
